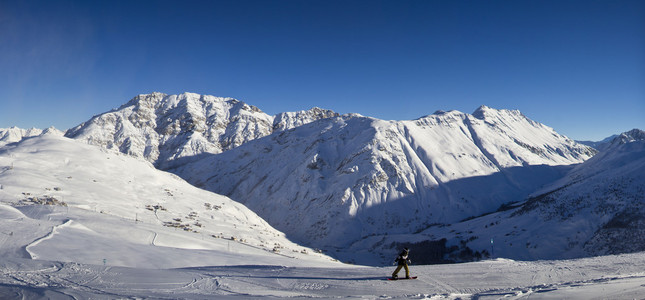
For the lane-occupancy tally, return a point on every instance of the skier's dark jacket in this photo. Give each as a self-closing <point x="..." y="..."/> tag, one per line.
<point x="402" y="259"/>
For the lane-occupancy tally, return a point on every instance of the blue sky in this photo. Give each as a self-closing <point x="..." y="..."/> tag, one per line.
<point x="577" y="66"/>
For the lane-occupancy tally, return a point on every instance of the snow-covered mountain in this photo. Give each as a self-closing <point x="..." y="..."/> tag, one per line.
<point x="63" y="200"/>
<point x="338" y="182"/>
<point x="67" y="231"/>
<point x="599" y="145"/>
<point x="623" y="138"/>
<point x="161" y="128"/>
<point x="610" y="188"/>
<point x="15" y="134"/>
<point x="634" y="134"/>
<point x="596" y="209"/>
<point x="288" y="120"/>
<point x="450" y="186"/>
<point x="333" y="182"/>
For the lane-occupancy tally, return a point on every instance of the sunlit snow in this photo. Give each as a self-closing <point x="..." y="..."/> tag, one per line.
<point x="81" y="221"/>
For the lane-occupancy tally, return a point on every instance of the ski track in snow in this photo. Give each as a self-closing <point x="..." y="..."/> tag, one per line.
<point x="610" y="277"/>
<point x="50" y="235"/>
<point x="154" y="237"/>
<point x="256" y="281"/>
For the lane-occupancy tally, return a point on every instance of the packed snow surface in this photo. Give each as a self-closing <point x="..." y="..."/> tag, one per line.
<point x="607" y="277"/>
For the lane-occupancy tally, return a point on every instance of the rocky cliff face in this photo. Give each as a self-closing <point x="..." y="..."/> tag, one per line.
<point x="161" y="128"/>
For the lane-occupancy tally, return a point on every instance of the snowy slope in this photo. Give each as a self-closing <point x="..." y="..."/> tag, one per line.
<point x="63" y="200"/>
<point x="596" y="209"/>
<point x="348" y="178"/>
<point x="609" y="277"/>
<point x="161" y="128"/>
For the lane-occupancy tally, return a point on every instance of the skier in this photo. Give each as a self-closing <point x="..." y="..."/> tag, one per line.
<point x="403" y="262"/>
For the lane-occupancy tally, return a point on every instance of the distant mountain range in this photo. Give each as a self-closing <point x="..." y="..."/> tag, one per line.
<point x="449" y="184"/>
<point x="15" y="134"/>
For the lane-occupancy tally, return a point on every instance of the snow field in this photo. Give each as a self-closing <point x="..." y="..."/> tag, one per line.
<point x="608" y="277"/>
<point x="105" y="205"/>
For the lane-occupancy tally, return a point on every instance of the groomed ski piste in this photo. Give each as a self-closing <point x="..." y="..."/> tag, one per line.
<point x="608" y="277"/>
<point x="79" y="222"/>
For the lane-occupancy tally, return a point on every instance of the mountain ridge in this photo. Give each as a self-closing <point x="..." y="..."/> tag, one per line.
<point x="607" y="142"/>
<point x="160" y="127"/>
<point x="340" y="175"/>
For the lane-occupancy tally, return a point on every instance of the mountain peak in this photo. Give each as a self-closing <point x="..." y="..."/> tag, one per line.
<point x="161" y="127"/>
<point x="444" y="112"/>
<point x="15" y="134"/>
<point x="287" y="120"/>
<point x="629" y="136"/>
<point x="52" y="131"/>
<point x="484" y="111"/>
